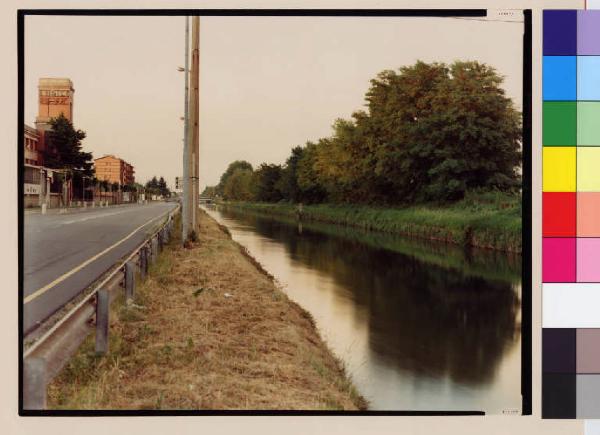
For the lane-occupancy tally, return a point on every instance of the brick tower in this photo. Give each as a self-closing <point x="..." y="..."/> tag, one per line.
<point x="55" y="96"/>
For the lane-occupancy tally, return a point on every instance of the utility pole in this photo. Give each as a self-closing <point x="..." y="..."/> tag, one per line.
<point x="186" y="206"/>
<point x="194" y="116"/>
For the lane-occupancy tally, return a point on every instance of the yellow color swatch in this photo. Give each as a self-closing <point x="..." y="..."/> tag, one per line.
<point x="588" y="169"/>
<point x="559" y="171"/>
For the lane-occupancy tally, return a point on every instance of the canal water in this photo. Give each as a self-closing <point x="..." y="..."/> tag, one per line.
<point x="419" y="325"/>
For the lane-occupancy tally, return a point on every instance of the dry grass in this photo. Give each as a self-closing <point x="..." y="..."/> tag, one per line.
<point x="186" y="345"/>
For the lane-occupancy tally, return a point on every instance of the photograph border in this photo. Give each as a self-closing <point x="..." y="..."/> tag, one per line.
<point x="526" y="255"/>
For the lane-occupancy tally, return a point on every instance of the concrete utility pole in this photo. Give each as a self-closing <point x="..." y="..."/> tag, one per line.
<point x="186" y="206"/>
<point x="194" y="116"/>
<point x="42" y="183"/>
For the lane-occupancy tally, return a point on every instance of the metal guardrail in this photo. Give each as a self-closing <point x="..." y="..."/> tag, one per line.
<point x="44" y="359"/>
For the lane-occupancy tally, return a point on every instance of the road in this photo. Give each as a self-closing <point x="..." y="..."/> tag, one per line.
<point x="65" y="253"/>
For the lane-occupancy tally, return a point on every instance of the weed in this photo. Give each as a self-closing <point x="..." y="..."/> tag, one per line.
<point x="198" y="291"/>
<point x="159" y="400"/>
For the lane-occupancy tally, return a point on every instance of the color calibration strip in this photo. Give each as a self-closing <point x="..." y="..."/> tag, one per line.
<point x="571" y="215"/>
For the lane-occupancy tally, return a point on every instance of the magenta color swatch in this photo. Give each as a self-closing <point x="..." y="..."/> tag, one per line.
<point x="588" y="259"/>
<point x="588" y="32"/>
<point x="558" y="259"/>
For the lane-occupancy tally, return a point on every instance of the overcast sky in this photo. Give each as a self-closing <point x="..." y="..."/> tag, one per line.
<point x="266" y="84"/>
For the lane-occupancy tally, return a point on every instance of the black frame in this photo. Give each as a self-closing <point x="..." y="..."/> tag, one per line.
<point x="526" y="298"/>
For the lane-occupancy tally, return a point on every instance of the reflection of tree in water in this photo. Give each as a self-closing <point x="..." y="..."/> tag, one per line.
<point x="423" y="318"/>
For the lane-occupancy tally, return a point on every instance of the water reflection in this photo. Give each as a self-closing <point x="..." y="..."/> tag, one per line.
<point x="401" y="311"/>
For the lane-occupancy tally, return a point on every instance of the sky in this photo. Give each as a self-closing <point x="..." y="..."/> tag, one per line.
<point x="267" y="84"/>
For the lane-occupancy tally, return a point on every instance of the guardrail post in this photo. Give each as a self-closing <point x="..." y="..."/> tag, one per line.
<point x="160" y="240"/>
<point x="143" y="262"/>
<point x="102" y="321"/>
<point x="129" y="281"/>
<point x="166" y="231"/>
<point x="34" y="383"/>
<point x="154" y="249"/>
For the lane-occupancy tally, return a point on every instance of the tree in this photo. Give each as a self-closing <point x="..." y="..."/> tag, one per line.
<point x="152" y="183"/>
<point x="239" y="186"/>
<point x="267" y="179"/>
<point x="311" y="189"/>
<point x="288" y="182"/>
<point x="439" y="131"/>
<point x="157" y="186"/>
<point x="64" y="147"/>
<point x="238" y="164"/>
<point x="162" y="188"/>
<point x="209" y="192"/>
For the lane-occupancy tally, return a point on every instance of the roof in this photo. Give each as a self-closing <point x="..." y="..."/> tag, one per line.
<point x="55" y="82"/>
<point x="111" y="156"/>
<point x="31" y="130"/>
<point x="107" y="156"/>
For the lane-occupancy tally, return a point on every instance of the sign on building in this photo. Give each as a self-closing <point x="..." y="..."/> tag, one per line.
<point x="32" y="189"/>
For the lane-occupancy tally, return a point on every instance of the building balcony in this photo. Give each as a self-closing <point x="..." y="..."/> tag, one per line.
<point x="31" y="155"/>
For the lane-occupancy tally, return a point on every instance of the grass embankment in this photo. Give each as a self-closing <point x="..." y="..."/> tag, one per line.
<point x="488" y="220"/>
<point x="209" y="330"/>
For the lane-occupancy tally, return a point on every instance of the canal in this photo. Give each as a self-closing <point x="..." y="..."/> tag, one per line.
<point x="419" y="325"/>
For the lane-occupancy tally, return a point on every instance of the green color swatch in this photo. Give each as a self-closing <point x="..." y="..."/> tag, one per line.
<point x="560" y="123"/>
<point x="588" y="123"/>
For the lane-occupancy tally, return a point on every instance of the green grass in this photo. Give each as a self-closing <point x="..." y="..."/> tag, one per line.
<point x="487" y="220"/>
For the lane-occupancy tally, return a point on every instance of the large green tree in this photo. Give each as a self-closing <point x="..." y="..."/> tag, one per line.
<point x="64" y="149"/>
<point x="239" y="186"/>
<point x="438" y="131"/>
<point x="238" y="164"/>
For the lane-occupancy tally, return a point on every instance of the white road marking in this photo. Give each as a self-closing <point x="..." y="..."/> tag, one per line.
<point x="61" y="278"/>
<point x="92" y="217"/>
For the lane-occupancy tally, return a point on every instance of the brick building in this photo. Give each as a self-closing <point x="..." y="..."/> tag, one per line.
<point x="114" y="170"/>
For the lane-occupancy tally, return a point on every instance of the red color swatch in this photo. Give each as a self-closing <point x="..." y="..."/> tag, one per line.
<point x="559" y="214"/>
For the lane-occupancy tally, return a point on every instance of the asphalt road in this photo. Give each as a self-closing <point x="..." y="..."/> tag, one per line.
<point x="55" y="246"/>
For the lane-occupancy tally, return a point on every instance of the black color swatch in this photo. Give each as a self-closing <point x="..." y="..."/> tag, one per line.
<point x="559" y="395"/>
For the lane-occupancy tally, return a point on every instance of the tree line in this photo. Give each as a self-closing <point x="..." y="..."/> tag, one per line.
<point x="157" y="186"/>
<point x="431" y="133"/>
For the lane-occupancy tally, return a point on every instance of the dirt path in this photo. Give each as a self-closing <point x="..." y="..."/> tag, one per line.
<point x="212" y="331"/>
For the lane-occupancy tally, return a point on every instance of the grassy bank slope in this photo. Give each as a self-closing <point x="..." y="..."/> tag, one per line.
<point x="212" y="331"/>
<point x="486" y="221"/>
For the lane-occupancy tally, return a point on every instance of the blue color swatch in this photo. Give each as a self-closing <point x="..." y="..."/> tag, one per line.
<point x="588" y="78"/>
<point x="560" y="78"/>
<point x="560" y="32"/>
